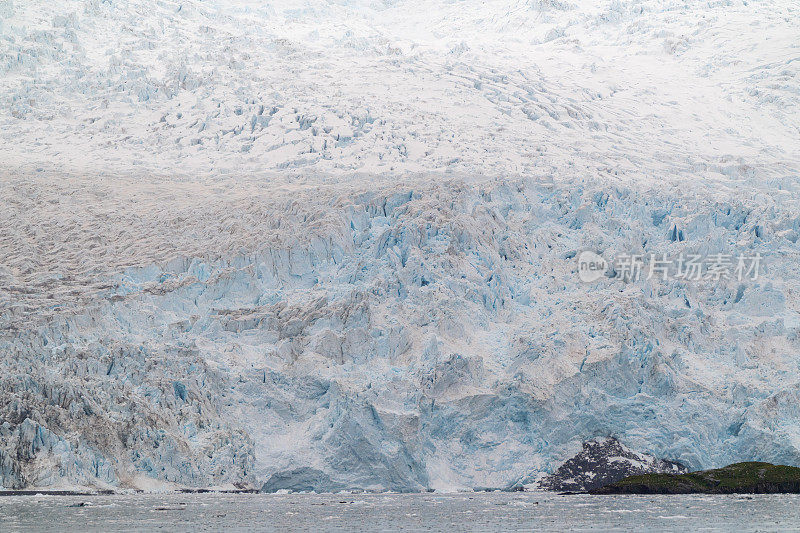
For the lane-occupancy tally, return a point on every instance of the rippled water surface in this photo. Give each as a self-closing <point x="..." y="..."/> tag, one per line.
<point x="408" y="512"/>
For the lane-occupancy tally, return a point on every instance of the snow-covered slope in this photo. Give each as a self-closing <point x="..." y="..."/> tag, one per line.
<point x="328" y="245"/>
<point x="652" y="87"/>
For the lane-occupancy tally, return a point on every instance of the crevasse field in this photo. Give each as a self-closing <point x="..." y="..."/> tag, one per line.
<point x="327" y="245"/>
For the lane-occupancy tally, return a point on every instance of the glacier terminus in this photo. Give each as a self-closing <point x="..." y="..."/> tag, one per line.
<point x="334" y="245"/>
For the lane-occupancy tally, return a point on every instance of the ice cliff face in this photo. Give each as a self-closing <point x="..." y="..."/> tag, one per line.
<point x="333" y="246"/>
<point x="411" y="337"/>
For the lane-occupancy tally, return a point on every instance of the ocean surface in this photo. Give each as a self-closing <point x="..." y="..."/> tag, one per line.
<point x="394" y="512"/>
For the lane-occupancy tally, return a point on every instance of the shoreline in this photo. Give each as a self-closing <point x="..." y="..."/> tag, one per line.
<point x="108" y="492"/>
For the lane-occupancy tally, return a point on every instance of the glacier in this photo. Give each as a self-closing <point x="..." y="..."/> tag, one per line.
<point x="325" y="246"/>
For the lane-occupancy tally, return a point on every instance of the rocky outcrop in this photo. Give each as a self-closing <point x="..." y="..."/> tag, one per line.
<point x="603" y="461"/>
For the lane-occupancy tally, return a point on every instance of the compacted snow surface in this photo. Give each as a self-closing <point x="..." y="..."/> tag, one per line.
<point x="332" y="245"/>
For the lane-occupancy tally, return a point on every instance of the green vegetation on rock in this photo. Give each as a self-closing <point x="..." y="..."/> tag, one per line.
<point x="754" y="477"/>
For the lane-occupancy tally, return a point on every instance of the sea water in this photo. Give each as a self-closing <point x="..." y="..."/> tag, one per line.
<point x="399" y="512"/>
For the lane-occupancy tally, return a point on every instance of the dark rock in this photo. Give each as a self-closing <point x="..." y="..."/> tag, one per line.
<point x="603" y="461"/>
